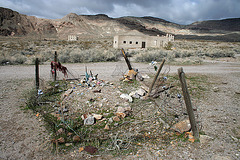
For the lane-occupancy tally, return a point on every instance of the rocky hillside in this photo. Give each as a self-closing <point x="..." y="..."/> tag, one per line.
<point x="13" y="23"/>
<point x="232" y="24"/>
<point x="101" y="26"/>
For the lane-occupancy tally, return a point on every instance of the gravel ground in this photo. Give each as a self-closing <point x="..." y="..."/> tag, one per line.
<point x="21" y="134"/>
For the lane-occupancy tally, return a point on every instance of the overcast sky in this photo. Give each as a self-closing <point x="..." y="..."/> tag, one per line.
<point x="178" y="11"/>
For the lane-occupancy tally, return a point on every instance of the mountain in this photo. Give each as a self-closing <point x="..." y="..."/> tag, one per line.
<point x="232" y="24"/>
<point x="13" y="23"/>
<point x="102" y="26"/>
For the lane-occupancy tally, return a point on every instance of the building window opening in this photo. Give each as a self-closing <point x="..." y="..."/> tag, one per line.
<point x="143" y="44"/>
<point x="130" y="42"/>
<point x="115" y="42"/>
<point x="124" y="42"/>
<point x="136" y="42"/>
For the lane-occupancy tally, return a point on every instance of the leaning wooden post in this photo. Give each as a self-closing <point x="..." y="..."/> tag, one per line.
<point x="37" y="73"/>
<point x="156" y="76"/>
<point x="188" y="103"/>
<point x="55" y="66"/>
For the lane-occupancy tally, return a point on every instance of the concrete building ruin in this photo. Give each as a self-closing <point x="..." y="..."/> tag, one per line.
<point x="141" y="41"/>
<point x="72" y="38"/>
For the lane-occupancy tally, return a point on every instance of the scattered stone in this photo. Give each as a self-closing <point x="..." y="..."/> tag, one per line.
<point x="237" y="92"/>
<point x="106" y="127"/>
<point x="90" y="149"/>
<point x="182" y="126"/>
<point x="84" y="116"/>
<point x="121" y="115"/>
<point x="90" y="120"/>
<point x="120" y="110"/>
<point x="69" y="134"/>
<point x="127" y="97"/>
<point x="115" y="124"/>
<point x="60" y="131"/>
<point x="80" y="149"/>
<point x="205" y="139"/>
<point x="141" y="92"/>
<point x="61" y="140"/>
<point x="135" y="95"/>
<point x="128" y="109"/>
<point x="76" y="138"/>
<point x="97" y="116"/>
<point x="145" y="76"/>
<point x="116" y="119"/>
<point x="138" y="93"/>
<point x="215" y="89"/>
<point x="110" y="120"/>
<point x="68" y="144"/>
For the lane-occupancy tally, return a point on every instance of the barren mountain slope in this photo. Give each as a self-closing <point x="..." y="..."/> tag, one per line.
<point x="102" y="26"/>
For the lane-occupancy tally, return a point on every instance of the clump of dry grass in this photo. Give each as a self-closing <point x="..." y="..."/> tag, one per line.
<point x="21" y="51"/>
<point x="184" y="49"/>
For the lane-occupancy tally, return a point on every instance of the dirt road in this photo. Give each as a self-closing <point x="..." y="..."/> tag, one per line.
<point x="107" y="70"/>
<point x="21" y="134"/>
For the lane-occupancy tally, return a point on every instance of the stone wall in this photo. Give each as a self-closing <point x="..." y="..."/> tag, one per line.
<point x="136" y="42"/>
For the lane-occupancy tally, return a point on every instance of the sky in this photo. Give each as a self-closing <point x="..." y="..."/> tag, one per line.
<point x="177" y="11"/>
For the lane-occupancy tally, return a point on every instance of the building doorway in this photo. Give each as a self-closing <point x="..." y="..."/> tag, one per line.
<point x="143" y="44"/>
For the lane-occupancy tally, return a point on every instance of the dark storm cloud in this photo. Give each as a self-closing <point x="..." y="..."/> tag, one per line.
<point x="178" y="11"/>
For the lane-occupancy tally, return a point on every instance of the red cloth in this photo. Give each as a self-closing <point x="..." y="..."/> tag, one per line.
<point x="59" y="67"/>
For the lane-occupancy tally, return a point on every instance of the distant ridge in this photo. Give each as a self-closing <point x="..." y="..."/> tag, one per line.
<point x="102" y="26"/>
<point x="232" y="24"/>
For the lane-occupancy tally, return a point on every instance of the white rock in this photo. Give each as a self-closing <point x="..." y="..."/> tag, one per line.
<point x="120" y="110"/>
<point x="141" y="92"/>
<point x="97" y="116"/>
<point x="215" y="89"/>
<point x="145" y="76"/>
<point x="90" y="120"/>
<point x="126" y="96"/>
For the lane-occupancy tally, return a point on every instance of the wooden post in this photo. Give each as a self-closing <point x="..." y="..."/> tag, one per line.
<point x="55" y="66"/>
<point x="156" y="76"/>
<point x="188" y="103"/>
<point x="126" y="59"/>
<point x="37" y="73"/>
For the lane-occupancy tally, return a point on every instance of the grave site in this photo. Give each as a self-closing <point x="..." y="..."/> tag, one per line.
<point x="97" y="87"/>
<point x="89" y="117"/>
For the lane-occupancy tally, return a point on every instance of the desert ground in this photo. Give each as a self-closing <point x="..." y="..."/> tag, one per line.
<point x="22" y="134"/>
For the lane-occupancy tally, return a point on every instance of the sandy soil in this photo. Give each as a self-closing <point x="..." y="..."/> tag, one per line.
<point x="21" y="134"/>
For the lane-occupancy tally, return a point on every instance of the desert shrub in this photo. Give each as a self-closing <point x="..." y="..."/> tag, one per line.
<point x="91" y="55"/>
<point x="5" y="60"/>
<point x="187" y="54"/>
<point x="151" y="55"/>
<point x="177" y="54"/>
<point x="218" y="54"/>
<point x="20" y="59"/>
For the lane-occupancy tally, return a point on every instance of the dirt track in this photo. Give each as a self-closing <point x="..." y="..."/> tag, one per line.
<point x="106" y="70"/>
<point x="21" y="134"/>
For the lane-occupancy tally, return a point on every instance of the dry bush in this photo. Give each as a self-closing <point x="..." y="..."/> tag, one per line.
<point x="152" y="55"/>
<point x="25" y="51"/>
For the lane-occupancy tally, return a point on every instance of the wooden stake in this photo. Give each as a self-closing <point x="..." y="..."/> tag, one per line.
<point x="37" y="73"/>
<point x="188" y="103"/>
<point x="55" y="67"/>
<point x="126" y="59"/>
<point x="156" y="76"/>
